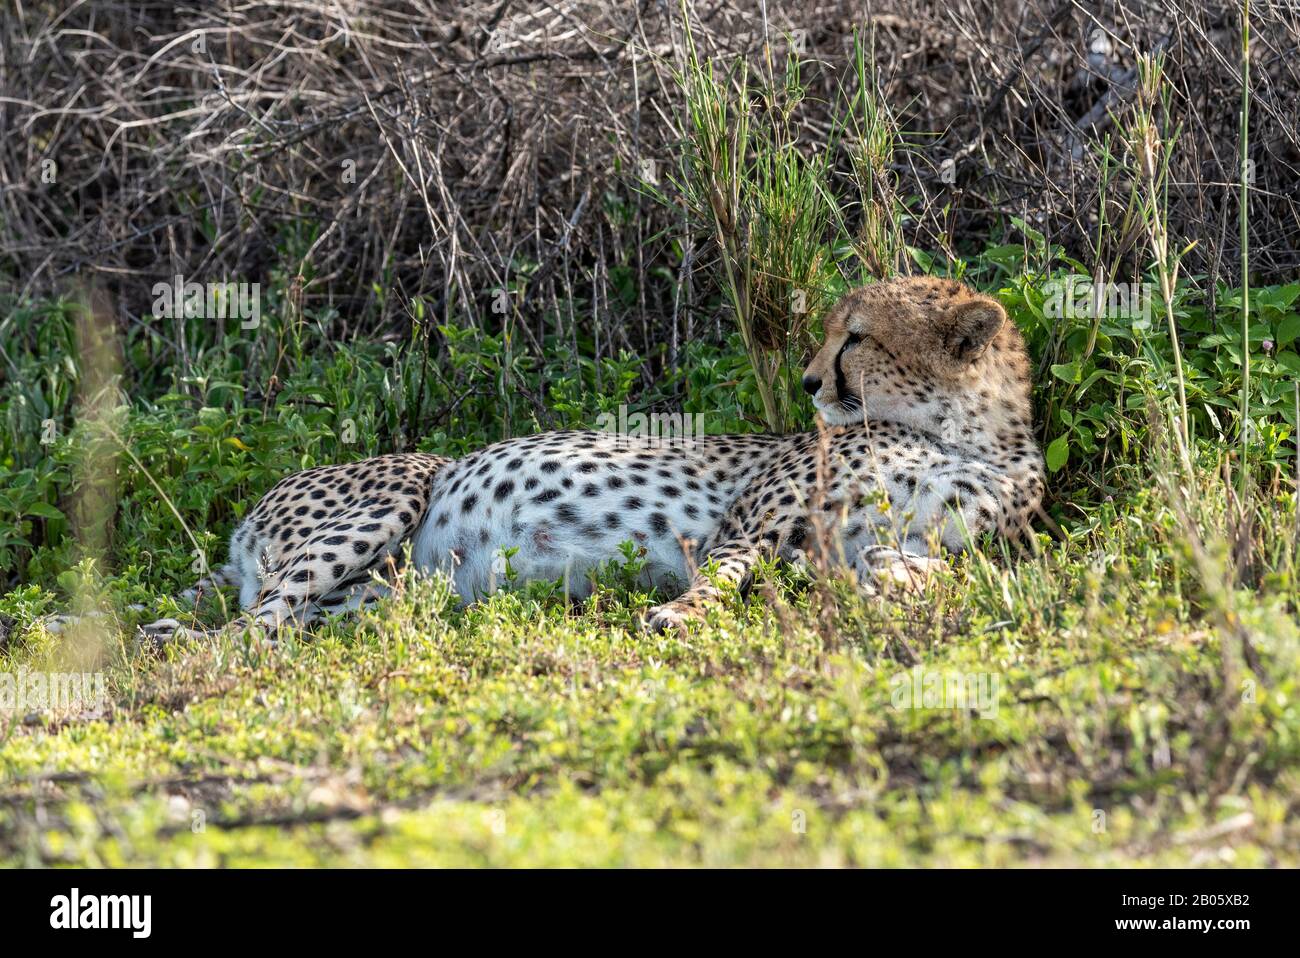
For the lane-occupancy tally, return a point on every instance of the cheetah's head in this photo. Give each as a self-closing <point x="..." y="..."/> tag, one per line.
<point x="929" y="353"/>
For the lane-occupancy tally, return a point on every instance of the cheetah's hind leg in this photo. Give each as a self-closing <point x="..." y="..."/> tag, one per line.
<point x="60" y="623"/>
<point x="287" y="604"/>
<point x="161" y="630"/>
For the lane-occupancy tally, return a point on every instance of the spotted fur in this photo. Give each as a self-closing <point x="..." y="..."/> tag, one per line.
<point x="314" y="542"/>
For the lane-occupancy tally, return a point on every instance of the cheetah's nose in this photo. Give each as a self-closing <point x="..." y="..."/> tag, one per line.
<point x="812" y="384"/>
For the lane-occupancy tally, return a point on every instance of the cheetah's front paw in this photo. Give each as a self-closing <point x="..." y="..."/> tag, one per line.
<point x="882" y="566"/>
<point x="671" y="616"/>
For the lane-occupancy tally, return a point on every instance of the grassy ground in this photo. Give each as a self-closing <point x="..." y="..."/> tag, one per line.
<point x="1134" y="682"/>
<point x="1121" y="725"/>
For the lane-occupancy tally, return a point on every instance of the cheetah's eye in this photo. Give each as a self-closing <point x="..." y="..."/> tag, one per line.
<point x="853" y="340"/>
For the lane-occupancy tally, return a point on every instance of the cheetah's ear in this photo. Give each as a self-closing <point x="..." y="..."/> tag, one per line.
<point x="972" y="328"/>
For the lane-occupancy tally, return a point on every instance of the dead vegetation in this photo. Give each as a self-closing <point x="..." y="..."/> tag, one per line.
<point x="367" y="152"/>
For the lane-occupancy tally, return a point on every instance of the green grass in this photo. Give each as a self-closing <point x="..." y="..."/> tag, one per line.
<point x="1147" y="710"/>
<point x="1145" y="657"/>
<point x="523" y="731"/>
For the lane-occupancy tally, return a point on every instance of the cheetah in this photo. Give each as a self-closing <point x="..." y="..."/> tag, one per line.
<point x="923" y="386"/>
<point x="923" y="389"/>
